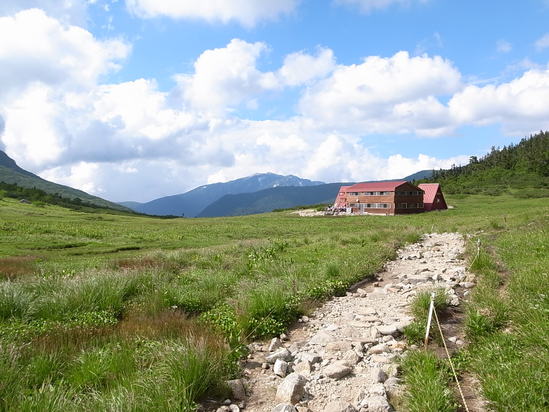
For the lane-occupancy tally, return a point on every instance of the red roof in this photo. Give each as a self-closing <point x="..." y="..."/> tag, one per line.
<point x="433" y="199"/>
<point x="430" y="190"/>
<point x="376" y="186"/>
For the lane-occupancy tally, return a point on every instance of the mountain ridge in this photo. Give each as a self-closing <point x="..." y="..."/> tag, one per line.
<point x="191" y="203"/>
<point x="11" y="173"/>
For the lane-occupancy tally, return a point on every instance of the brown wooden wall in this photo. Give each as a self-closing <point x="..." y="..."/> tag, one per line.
<point x="393" y="199"/>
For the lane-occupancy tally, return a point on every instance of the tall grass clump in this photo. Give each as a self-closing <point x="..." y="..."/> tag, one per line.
<point x="268" y="310"/>
<point x="426" y="379"/>
<point x="14" y="300"/>
<point x="415" y="332"/>
<point x="63" y="298"/>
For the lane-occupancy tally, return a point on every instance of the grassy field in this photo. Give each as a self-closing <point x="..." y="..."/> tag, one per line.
<point x="108" y="312"/>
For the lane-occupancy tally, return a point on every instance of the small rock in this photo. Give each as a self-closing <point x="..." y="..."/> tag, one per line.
<point x="467" y="285"/>
<point x="339" y="346"/>
<point x="292" y="388"/>
<point x="378" y="375"/>
<point x="377" y="389"/>
<point x="310" y="357"/>
<point x="295" y="347"/>
<point x="283" y="354"/>
<point x="283" y="336"/>
<point x="388" y="330"/>
<point x="280" y="368"/>
<point x="284" y="407"/>
<point x="305" y="319"/>
<point x="378" y="403"/>
<point x="393" y="389"/>
<point x="275" y="344"/>
<point x="227" y="402"/>
<point x="392" y="370"/>
<point x="453" y="339"/>
<point x="361" y="293"/>
<point x="351" y="357"/>
<point x="237" y="389"/>
<point x="339" y="406"/>
<point x="264" y="365"/>
<point x="379" y="359"/>
<point x="234" y="408"/>
<point x="337" y="370"/>
<point x="380" y="348"/>
<point x="321" y="338"/>
<point x="223" y="409"/>
<point x="303" y="368"/>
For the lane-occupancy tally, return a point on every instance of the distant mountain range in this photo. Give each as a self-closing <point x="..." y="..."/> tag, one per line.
<point x="11" y="173"/>
<point x="268" y="200"/>
<point x="191" y="203"/>
<point x="259" y="193"/>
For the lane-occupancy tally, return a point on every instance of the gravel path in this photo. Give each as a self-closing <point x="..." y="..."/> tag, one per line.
<point x="343" y="356"/>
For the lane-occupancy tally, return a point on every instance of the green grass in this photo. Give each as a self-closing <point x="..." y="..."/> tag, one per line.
<point x="415" y="332"/>
<point x="113" y="312"/>
<point x="426" y="379"/>
<point x="509" y="327"/>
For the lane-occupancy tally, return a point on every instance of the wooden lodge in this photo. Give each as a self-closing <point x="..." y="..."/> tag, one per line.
<point x="389" y="198"/>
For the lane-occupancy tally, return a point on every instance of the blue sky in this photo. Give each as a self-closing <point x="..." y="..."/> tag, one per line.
<point x="136" y="99"/>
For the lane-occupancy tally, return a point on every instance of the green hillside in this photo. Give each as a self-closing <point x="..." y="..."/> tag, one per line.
<point x="521" y="170"/>
<point x="12" y="174"/>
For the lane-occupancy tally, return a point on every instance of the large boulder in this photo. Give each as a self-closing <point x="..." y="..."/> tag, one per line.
<point x="237" y="388"/>
<point x="280" y="368"/>
<point x="292" y="388"/>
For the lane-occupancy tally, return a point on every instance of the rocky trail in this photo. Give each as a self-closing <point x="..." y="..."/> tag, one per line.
<point x="342" y="358"/>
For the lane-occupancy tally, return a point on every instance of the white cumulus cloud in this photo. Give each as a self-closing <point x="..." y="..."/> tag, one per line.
<point x="226" y="77"/>
<point x="519" y="105"/>
<point x="395" y="94"/>
<point x="37" y="48"/>
<point x="367" y="6"/>
<point x="246" y="12"/>
<point x="301" y="68"/>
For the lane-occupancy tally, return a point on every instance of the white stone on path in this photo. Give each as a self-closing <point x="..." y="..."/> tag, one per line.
<point x="292" y="389"/>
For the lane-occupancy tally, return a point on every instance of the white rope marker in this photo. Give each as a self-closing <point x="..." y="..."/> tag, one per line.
<point x="429" y="318"/>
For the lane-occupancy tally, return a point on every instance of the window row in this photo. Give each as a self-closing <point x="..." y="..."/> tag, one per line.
<point x="370" y="205"/>
<point x="410" y="205"/>
<point x="369" y="193"/>
<point x="410" y="193"/>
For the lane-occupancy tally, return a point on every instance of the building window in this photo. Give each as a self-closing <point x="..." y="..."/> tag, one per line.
<point x="403" y="206"/>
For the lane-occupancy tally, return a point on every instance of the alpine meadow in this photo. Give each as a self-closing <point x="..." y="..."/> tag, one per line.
<point x="274" y="206"/>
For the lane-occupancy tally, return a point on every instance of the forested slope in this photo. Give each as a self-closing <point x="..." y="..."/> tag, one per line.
<point x="521" y="169"/>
